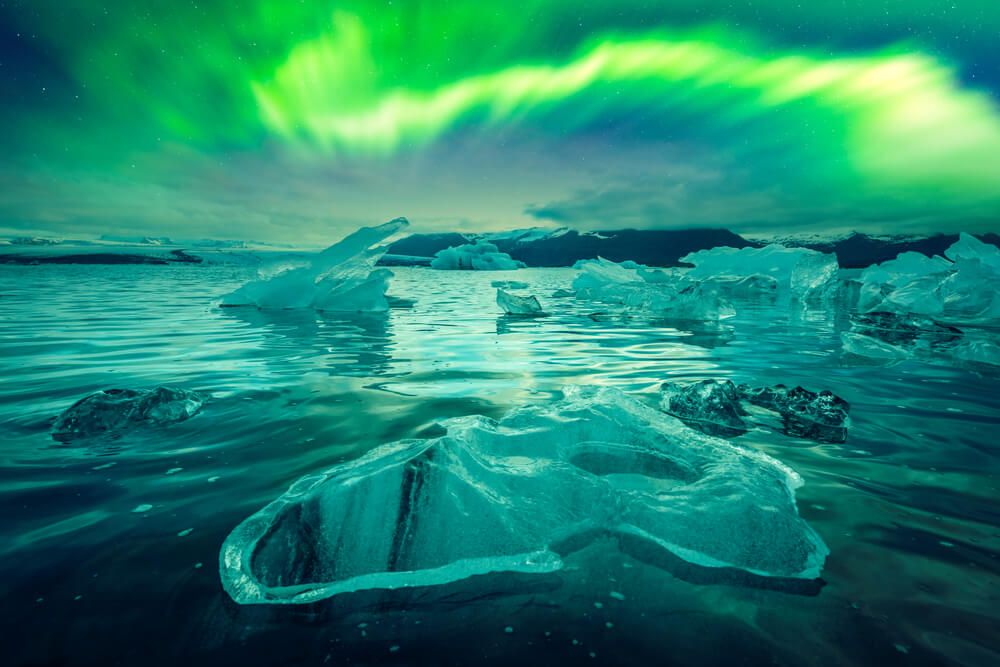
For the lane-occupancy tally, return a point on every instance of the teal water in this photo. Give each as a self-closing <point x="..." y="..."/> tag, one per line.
<point x="908" y="505"/>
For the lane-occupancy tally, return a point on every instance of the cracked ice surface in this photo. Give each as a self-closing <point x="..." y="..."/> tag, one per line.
<point x="342" y="278"/>
<point x="518" y="494"/>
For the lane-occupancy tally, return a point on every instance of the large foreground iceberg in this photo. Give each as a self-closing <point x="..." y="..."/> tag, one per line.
<point x="114" y="411"/>
<point x="641" y="290"/>
<point x="478" y="256"/>
<point x="517" y="495"/>
<point x="342" y="278"/>
<point x="799" y="272"/>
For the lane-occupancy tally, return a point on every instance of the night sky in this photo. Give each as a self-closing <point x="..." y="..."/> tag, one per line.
<point x="294" y="122"/>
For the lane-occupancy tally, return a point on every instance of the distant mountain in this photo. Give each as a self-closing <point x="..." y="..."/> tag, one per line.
<point x="563" y="247"/>
<point x="860" y="250"/>
<point x="657" y="247"/>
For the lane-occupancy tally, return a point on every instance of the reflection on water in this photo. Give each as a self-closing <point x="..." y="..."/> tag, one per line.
<point x="907" y="504"/>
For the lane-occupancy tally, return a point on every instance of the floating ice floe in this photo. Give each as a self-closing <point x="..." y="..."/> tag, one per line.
<point x="714" y="407"/>
<point x="113" y="411"/>
<point x="518" y="495"/>
<point x="640" y="290"/>
<point x="958" y="290"/>
<point x="478" y="256"/>
<point x="802" y="273"/>
<point x="513" y="304"/>
<point x="342" y="278"/>
<point x="509" y="284"/>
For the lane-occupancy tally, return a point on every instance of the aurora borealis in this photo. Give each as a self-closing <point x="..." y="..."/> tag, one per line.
<point x="296" y="121"/>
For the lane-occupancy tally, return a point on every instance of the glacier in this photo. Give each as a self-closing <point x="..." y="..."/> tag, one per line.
<point x="513" y="304"/>
<point x="478" y="256"/>
<point x="640" y="290"/>
<point x="342" y="278"/>
<point x="114" y="411"/>
<point x="801" y="273"/>
<point x="519" y="495"/>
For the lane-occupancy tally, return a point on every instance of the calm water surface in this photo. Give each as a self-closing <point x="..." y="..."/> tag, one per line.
<point x="908" y="505"/>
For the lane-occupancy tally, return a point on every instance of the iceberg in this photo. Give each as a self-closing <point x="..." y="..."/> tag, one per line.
<point x="512" y="304"/>
<point x="711" y="406"/>
<point x="802" y="273"/>
<point x="342" y="278"/>
<point x="639" y="290"/>
<point x="478" y="256"/>
<point x="519" y="495"/>
<point x="959" y="288"/>
<point x="819" y="416"/>
<point x="113" y="411"/>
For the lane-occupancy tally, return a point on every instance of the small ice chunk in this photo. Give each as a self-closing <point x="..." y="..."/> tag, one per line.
<point x="185" y="532"/>
<point x="616" y="595"/>
<point x="512" y="304"/>
<point x="517" y="495"/>
<point x="174" y="471"/>
<point x="113" y="411"/>
<point x="711" y="406"/>
<point x="478" y="256"/>
<point x="509" y="284"/>
<point x="139" y="509"/>
<point x="342" y="278"/>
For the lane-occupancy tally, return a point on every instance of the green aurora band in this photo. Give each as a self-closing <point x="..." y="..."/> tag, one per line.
<point x="901" y="117"/>
<point x="878" y="113"/>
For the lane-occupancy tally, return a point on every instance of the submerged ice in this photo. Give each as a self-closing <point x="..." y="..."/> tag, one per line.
<point x="478" y="256"/>
<point x="640" y="290"/>
<point x="342" y="278"/>
<point x="114" y="411"/>
<point x="519" y="494"/>
<point x="514" y="304"/>
<point x="716" y="407"/>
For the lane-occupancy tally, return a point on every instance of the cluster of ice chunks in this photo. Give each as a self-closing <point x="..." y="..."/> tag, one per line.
<point x="519" y="494"/>
<point x="641" y="290"/>
<point x="514" y="304"/>
<point x="114" y="411"/>
<point x="714" y="407"/>
<point x="910" y="306"/>
<point x="342" y="278"/>
<point x="801" y="273"/>
<point x="478" y="256"/>
<point x="958" y="290"/>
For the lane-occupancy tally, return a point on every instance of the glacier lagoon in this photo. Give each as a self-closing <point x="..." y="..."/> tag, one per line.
<point x="110" y="552"/>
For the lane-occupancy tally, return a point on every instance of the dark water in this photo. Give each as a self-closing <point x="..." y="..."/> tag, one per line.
<point x="908" y="505"/>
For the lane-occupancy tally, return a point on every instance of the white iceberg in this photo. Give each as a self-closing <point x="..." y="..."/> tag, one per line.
<point x="478" y="256"/>
<point x="640" y="290"/>
<point x="802" y="273"/>
<point x="513" y="304"/>
<point x="518" y="495"/>
<point x="341" y="278"/>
